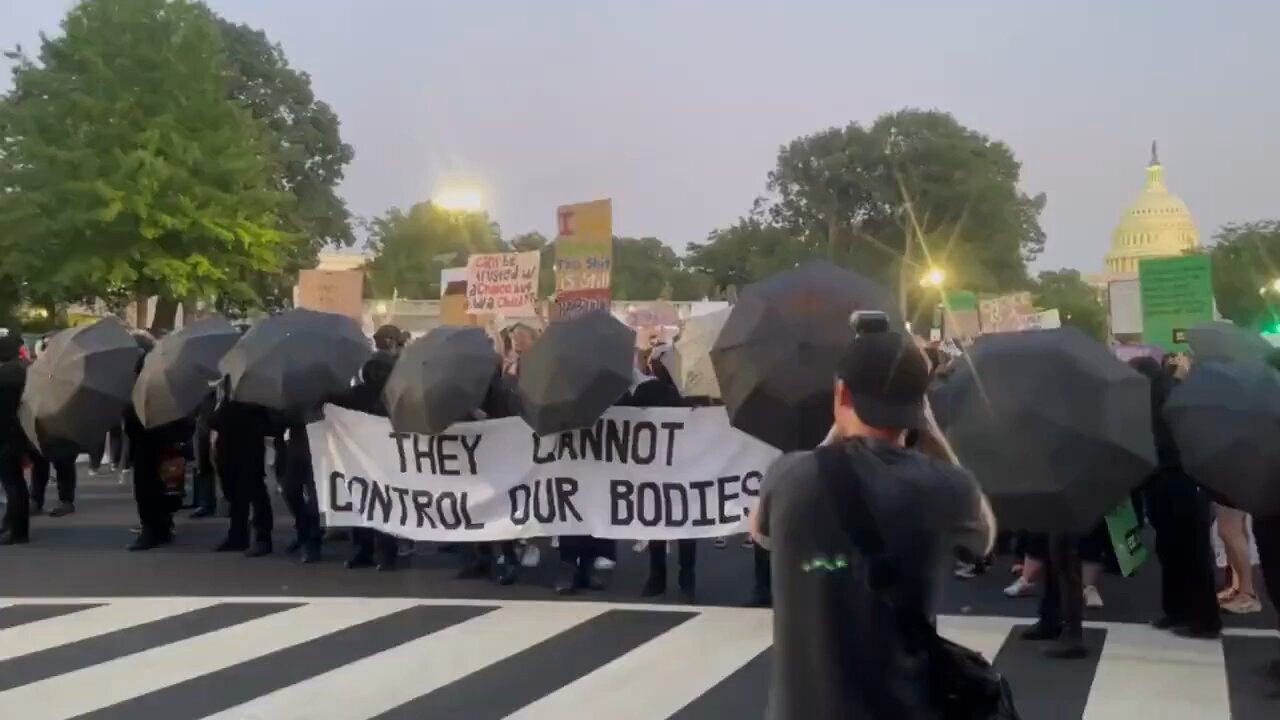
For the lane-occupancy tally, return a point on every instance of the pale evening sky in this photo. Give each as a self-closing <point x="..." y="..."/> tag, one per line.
<point x="676" y="108"/>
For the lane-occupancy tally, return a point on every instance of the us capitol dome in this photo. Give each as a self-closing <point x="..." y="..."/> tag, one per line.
<point x="1156" y="224"/>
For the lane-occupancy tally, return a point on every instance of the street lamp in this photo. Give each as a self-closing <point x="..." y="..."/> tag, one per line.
<point x="934" y="278"/>
<point x="459" y="200"/>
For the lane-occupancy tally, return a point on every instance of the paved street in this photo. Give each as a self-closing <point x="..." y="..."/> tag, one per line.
<point x="88" y="630"/>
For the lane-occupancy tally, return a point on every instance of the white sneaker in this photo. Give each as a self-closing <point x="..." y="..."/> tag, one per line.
<point x="604" y="564"/>
<point x="640" y="546"/>
<point x="1092" y="598"/>
<point x="531" y="556"/>
<point x="1020" y="588"/>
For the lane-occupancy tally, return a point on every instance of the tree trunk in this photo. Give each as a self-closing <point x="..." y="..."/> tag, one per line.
<point x="904" y="275"/>
<point x="833" y="237"/>
<point x="166" y="315"/>
<point x="140" y="302"/>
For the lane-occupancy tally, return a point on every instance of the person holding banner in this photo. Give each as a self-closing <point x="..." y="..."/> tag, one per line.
<point x="498" y="403"/>
<point x="661" y="391"/>
<point x="241" y="435"/>
<point x="372" y="548"/>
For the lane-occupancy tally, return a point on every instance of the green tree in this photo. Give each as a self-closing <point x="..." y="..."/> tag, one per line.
<point x="914" y="189"/>
<point x="411" y="248"/>
<point x="127" y="168"/>
<point x="1246" y="259"/>
<point x="749" y="250"/>
<point x="1077" y="302"/>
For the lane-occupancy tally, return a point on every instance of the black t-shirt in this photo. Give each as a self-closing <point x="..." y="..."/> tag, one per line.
<point x="834" y="641"/>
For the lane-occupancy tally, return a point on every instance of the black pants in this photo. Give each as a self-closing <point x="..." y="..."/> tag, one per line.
<point x="1062" y="604"/>
<point x="373" y="545"/>
<point x="115" y="442"/>
<point x="1187" y="583"/>
<point x="299" y="489"/>
<point x="1266" y="535"/>
<point x="154" y="508"/>
<point x="17" y="509"/>
<point x="762" y="569"/>
<point x="205" y="482"/>
<point x="686" y="555"/>
<point x="66" y="479"/>
<point x="246" y="487"/>
<point x="581" y="551"/>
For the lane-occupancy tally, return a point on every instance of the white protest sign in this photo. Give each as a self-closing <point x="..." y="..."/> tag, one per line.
<point x="638" y="473"/>
<point x="505" y="283"/>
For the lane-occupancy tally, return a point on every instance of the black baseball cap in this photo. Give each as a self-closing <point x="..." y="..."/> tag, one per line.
<point x="887" y="377"/>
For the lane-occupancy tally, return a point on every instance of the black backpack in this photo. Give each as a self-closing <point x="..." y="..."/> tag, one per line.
<point x="963" y="685"/>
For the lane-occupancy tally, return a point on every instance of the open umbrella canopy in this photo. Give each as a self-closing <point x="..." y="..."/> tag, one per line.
<point x="179" y="372"/>
<point x="575" y="371"/>
<point x="775" y="357"/>
<point x="295" y="360"/>
<point x="1225" y="418"/>
<point x="1055" y="428"/>
<point x="78" y="388"/>
<point x="690" y="362"/>
<point x="440" y="379"/>
<point x="1224" y="342"/>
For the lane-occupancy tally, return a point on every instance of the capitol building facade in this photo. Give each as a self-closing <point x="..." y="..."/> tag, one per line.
<point x="1156" y="224"/>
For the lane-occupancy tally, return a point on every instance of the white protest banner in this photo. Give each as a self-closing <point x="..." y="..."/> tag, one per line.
<point x="505" y="283"/>
<point x="638" y="473"/>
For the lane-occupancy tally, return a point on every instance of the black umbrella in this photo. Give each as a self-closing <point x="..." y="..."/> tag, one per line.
<point x="178" y="374"/>
<point x="575" y="371"/>
<point x="440" y="379"/>
<point x="296" y="360"/>
<point x="78" y="388"/>
<point x="1225" y="419"/>
<point x="1055" y="428"/>
<point x="1225" y="342"/>
<point x="775" y="357"/>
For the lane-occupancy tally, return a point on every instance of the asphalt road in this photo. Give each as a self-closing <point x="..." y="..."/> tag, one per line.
<point x="88" y="630"/>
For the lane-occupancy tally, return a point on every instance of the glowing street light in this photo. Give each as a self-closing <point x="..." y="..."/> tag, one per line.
<point x="1273" y="287"/>
<point x="459" y="200"/>
<point x="934" y="278"/>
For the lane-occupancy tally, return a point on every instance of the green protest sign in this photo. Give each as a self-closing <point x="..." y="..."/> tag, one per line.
<point x="1177" y="293"/>
<point x="1122" y="526"/>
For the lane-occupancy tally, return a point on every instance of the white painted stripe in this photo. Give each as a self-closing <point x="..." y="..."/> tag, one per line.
<point x="986" y="635"/>
<point x="663" y="675"/>
<point x="81" y="691"/>
<point x="396" y="676"/>
<point x="1144" y="672"/>
<point x="65" y="629"/>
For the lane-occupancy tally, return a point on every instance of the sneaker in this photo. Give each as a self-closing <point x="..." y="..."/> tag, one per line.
<point x="1020" y="588"/>
<point x="604" y="564"/>
<point x="1092" y="598"/>
<point x="721" y="543"/>
<point x="531" y="556"/>
<point x="1243" y="604"/>
<point x="966" y="571"/>
<point x="640" y="546"/>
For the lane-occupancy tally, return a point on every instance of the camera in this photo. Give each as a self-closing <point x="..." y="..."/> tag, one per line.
<point x="865" y="322"/>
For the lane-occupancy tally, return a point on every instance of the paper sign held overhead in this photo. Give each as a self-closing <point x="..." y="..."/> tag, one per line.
<point x="505" y="283"/>
<point x="336" y="291"/>
<point x="583" y="250"/>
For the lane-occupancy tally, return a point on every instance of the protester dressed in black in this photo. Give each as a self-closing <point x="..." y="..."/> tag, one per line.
<point x="499" y="402"/>
<point x="298" y="485"/>
<point x="372" y="548"/>
<point x="1179" y="512"/>
<point x="240" y="445"/>
<point x="16" y="525"/>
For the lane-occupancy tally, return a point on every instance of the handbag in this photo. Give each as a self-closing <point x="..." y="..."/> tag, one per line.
<point x="962" y="684"/>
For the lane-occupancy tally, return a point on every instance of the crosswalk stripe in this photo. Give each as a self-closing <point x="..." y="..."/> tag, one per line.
<point x="90" y="622"/>
<point x="82" y="691"/>
<point x="92" y="651"/>
<point x="741" y="695"/>
<point x="1245" y="658"/>
<point x="504" y="687"/>
<point x="1048" y="689"/>
<point x="985" y="635"/>
<point x="12" y="616"/>
<point x="416" y="667"/>
<point x="235" y="684"/>
<point x="663" y="675"/>
<point x="1139" y="666"/>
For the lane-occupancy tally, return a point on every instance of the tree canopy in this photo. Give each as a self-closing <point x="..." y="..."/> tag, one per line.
<point x="127" y="168"/>
<point x="1246" y="259"/>
<point x="411" y="248"/>
<point x="1077" y="302"/>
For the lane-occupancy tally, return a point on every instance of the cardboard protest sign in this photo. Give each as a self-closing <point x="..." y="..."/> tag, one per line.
<point x="505" y="283"/>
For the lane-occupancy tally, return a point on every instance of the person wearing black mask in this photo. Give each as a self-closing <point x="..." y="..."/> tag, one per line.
<point x="1179" y="513"/>
<point x="15" y="528"/>
<point x="660" y="392"/>
<point x="371" y="547"/>
<point x="240" y="447"/>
